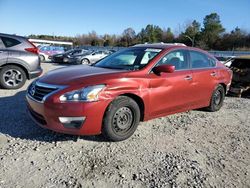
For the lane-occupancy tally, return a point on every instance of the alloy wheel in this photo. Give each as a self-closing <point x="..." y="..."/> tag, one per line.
<point x="12" y="77"/>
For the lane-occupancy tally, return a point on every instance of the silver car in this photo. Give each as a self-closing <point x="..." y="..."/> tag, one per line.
<point x="93" y="57"/>
<point x="19" y="61"/>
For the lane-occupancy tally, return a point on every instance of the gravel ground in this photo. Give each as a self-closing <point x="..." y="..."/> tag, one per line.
<point x="191" y="149"/>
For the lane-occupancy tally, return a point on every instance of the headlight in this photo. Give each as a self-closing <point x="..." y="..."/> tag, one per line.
<point x="88" y="94"/>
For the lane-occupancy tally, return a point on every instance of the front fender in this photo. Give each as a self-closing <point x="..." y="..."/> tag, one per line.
<point x="133" y="88"/>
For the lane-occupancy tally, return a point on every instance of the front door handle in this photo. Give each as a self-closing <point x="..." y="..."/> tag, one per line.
<point x="213" y="74"/>
<point x="188" y="77"/>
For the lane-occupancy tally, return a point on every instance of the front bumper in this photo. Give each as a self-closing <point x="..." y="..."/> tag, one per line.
<point x="47" y="115"/>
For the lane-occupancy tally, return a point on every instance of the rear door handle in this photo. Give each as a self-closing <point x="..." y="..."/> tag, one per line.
<point x="188" y="77"/>
<point x="213" y="74"/>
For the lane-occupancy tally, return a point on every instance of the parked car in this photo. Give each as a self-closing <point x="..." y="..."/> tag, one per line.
<point x="46" y="52"/>
<point x="91" y="58"/>
<point x="69" y="56"/>
<point x="18" y="61"/>
<point x="135" y="84"/>
<point x="241" y="76"/>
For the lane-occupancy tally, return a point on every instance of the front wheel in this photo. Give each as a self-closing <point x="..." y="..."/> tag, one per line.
<point x="121" y="119"/>
<point x="217" y="99"/>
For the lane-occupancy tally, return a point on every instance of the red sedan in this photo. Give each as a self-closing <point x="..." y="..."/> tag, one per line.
<point x="136" y="84"/>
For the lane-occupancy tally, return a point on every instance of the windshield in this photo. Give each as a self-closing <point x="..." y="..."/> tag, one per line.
<point x="129" y="59"/>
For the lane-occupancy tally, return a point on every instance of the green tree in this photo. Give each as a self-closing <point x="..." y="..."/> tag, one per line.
<point x="212" y="30"/>
<point x="168" y="36"/>
<point x="151" y="34"/>
<point x="234" y="40"/>
<point x="192" y="32"/>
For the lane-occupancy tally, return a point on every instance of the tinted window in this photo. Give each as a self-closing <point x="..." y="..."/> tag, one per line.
<point x="76" y="52"/>
<point x="9" y="42"/>
<point x="177" y="58"/>
<point x="98" y="53"/>
<point x="200" y="60"/>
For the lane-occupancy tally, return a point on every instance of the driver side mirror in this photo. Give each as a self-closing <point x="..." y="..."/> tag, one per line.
<point x="164" y="68"/>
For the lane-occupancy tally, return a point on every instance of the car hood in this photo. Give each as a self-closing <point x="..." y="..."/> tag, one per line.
<point x="75" y="74"/>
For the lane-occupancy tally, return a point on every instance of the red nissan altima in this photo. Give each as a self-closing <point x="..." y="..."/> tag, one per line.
<point x="136" y="84"/>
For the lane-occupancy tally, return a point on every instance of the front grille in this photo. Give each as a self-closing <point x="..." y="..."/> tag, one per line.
<point x="38" y="117"/>
<point x="40" y="91"/>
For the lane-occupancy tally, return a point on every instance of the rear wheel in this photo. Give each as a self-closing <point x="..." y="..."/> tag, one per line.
<point x="121" y="119"/>
<point x="12" y="77"/>
<point x="85" y="62"/>
<point x="217" y="99"/>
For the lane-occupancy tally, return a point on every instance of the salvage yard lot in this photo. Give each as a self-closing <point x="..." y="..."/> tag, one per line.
<point x="195" y="148"/>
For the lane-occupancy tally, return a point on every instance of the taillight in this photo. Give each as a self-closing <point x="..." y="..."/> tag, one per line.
<point x="32" y="50"/>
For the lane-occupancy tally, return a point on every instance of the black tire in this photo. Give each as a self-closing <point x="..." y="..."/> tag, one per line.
<point x="42" y="58"/>
<point x="217" y="99"/>
<point x="121" y="119"/>
<point x="12" y="77"/>
<point x="85" y="61"/>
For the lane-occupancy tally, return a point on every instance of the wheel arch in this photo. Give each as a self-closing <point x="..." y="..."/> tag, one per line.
<point x="139" y="101"/>
<point x="224" y="86"/>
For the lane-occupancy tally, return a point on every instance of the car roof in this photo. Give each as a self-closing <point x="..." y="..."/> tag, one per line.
<point x="160" y="45"/>
<point x="11" y="36"/>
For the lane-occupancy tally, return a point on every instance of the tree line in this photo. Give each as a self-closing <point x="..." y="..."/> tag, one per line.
<point x="210" y="35"/>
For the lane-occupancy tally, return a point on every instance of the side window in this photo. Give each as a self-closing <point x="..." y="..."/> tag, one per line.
<point x="200" y="60"/>
<point x="177" y="58"/>
<point x="98" y="53"/>
<point x="76" y="52"/>
<point x="9" y="42"/>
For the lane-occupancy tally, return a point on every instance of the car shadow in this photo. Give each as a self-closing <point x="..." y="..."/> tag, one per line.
<point x="15" y="122"/>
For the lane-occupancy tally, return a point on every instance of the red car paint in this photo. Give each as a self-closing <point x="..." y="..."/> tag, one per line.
<point x="157" y="95"/>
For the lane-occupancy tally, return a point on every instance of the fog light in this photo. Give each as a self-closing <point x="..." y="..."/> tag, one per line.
<point x="72" y="122"/>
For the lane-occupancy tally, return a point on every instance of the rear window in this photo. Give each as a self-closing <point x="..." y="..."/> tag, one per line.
<point x="10" y="42"/>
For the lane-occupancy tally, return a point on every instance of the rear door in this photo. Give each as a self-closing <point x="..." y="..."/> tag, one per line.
<point x="205" y="77"/>
<point x="3" y="53"/>
<point x="171" y="92"/>
<point x="96" y="56"/>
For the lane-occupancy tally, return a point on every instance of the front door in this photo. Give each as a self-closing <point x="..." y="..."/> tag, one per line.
<point x="171" y="92"/>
